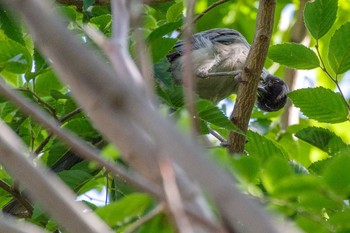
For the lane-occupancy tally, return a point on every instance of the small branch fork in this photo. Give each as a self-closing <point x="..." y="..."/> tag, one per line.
<point x="251" y="74"/>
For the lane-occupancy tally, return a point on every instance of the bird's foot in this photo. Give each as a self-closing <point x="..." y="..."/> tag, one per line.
<point x="202" y="73"/>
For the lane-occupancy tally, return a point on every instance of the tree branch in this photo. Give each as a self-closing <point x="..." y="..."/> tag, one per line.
<point x="188" y="79"/>
<point x="10" y="224"/>
<point x="251" y="74"/>
<point x="81" y="148"/>
<point x="119" y="109"/>
<point x="53" y="195"/>
<point x="16" y="194"/>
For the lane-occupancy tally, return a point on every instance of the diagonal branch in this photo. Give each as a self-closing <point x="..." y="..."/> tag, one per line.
<point x="56" y="198"/>
<point x="251" y="74"/>
<point x="11" y="224"/>
<point x="119" y="109"/>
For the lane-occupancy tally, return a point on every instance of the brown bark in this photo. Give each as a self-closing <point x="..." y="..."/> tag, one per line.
<point x="251" y="74"/>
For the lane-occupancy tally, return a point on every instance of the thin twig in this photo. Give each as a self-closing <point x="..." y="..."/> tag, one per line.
<point x="173" y="196"/>
<point x="154" y="212"/>
<point x="188" y="78"/>
<point x="69" y="115"/>
<point x="15" y="193"/>
<point x="215" y="4"/>
<point x="144" y="59"/>
<point x="217" y="136"/>
<point x="81" y="148"/>
<point x="40" y="101"/>
<point x="11" y="224"/>
<point x="335" y="80"/>
<point x="61" y="120"/>
<point x="212" y="6"/>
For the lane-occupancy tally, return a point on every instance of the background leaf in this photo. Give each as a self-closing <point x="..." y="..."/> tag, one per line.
<point x="322" y="138"/>
<point x="174" y="12"/>
<point x="262" y="147"/>
<point x="209" y="112"/>
<point x="130" y="206"/>
<point x="337" y="174"/>
<point x="320" y="104"/>
<point x="46" y="82"/>
<point x="10" y="27"/>
<point x="319" y="16"/>
<point x="339" y="47"/>
<point x="161" y="47"/>
<point x="14" y="57"/>
<point x="294" y="56"/>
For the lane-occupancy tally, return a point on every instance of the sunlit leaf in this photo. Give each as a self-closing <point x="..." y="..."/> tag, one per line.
<point x="46" y="82"/>
<point x="209" y="112"/>
<point x="322" y="138"/>
<point x="339" y="47"/>
<point x="337" y="174"/>
<point x="262" y="147"/>
<point x="320" y="104"/>
<point x="161" y="47"/>
<point x="319" y="16"/>
<point x="14" y="57"/>
<point x="174" y="12"/>
<point x="132" y="205"/>
<point x="294" y="56"/>
<point x="275" y="170"/>
<point x="74" y="178"/>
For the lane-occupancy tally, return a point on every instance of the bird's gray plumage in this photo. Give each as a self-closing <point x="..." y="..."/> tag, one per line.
<point x="224" y="50"/>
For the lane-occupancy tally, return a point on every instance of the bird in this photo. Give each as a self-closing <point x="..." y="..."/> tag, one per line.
<point x="218" y="57"/>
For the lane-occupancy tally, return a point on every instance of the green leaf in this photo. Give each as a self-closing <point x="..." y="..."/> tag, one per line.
<point x="209" y="112"/>
<point x="161" y="73"/>
<point x="337" y="174"/>
<point x="319" y="16"/>
<point x="263" y="148"/>
<point x="110" y="152"/>
<point x="294" y="186"/>
<point x="14" y="57"/>
<point x="161" y="47"/>
<point x="163" y="30"/>
<point x="123" y="210"/>
<point x="46" y="82"/>
<point x="10" y="27"/>
<point x="339" y="47"/>
<point x="174" y="12"/>
<point x="87" y="4"/>
<point x="308" y="224"/>
<point x="319" y="166"/>
<point x="320" y="104"/>
<point x="70" y="12"/>
<point x="275" y="170"/>
<point x="159" y="223"/>
<point x="322" y="138"/>
<point x="316" y="201"/>
<point x="294" y="55"/>
<point x="103" y="22"/>
<point x="82" y="127"/>
<point x="246" y="168"/>
<point x="74" y="178"/>
<point x="340" y="220"/>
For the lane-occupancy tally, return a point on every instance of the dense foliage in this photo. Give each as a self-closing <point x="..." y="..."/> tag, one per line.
<point x="300" y="172"/>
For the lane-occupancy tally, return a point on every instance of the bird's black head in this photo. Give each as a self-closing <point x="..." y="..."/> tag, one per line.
<point x="272" y="94"/>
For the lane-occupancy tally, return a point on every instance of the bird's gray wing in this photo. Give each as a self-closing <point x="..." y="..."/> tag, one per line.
<point x="206" y="38"/>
